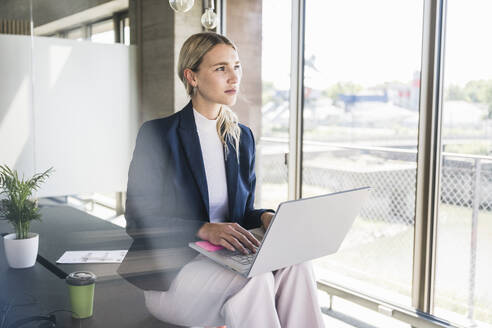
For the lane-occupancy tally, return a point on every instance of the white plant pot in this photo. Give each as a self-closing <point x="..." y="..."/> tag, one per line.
<point x="21" y="253"/>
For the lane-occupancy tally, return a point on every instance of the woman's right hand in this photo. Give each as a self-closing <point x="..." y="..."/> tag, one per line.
<point x="229" y="235"/>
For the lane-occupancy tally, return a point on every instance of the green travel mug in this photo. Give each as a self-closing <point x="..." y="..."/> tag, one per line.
<point x="81" y="289"/>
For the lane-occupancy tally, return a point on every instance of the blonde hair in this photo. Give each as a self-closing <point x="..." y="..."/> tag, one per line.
<point x="191" y="56"/>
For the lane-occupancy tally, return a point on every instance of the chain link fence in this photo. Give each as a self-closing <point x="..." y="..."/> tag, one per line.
<point x="393" y="185"/>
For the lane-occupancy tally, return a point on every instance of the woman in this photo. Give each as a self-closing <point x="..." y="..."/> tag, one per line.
<point x="192" y="177"/>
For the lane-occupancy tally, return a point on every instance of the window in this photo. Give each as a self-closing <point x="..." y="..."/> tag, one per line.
<point x="100" y="30"/>
<point x="103" y="32"/>
<point x="273" y="146"/>
<point x="360" y="125"/>
<point x="76" y="34"/>
<point x="126" y="31"/>
<point x="464" y="245"/>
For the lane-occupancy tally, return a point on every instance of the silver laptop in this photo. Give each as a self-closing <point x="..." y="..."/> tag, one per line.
<point x="301" y="230"/>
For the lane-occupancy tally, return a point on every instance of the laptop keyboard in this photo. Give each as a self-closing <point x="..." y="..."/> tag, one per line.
<point x="242" y="258"/>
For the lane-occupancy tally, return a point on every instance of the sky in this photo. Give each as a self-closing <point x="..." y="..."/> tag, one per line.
<point x="371" y="42"/>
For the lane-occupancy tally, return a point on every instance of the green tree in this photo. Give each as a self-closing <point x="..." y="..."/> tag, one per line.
<point x="480" y="91"/>
<point x="455" y="92"/>
<point x="476" y="91"/>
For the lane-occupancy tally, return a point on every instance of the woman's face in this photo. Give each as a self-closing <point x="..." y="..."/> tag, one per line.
<point x="219" y="76"/>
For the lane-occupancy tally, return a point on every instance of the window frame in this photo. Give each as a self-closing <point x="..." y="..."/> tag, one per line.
<point x="118" y="19"/>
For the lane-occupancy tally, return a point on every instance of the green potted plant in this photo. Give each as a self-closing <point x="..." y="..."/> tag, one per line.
<point x="16" y="206"/>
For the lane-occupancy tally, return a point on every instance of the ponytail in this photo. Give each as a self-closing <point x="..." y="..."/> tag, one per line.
<point x="228" y="129"/>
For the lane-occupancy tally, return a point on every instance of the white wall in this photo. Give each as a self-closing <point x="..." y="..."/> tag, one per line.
<point x="84" y="112"/>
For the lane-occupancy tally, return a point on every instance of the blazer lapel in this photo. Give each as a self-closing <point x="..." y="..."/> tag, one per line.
<point x="231" y="166"/>
<point x="191" y="144"/>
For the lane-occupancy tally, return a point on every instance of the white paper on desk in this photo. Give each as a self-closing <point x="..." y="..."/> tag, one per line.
<point x="92" y="257"/>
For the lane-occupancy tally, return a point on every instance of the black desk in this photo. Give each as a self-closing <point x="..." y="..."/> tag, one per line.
<point x="36" y="287"/>
<point x="65" y="228"/>
<point x="117" y="303"/>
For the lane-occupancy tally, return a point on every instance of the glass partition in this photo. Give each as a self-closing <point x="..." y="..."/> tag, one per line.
<point x="85" y="104"/>
<point x="16" y="94"/>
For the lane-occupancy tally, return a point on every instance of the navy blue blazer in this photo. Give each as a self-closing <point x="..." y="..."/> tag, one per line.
<point x="167" y="194"/>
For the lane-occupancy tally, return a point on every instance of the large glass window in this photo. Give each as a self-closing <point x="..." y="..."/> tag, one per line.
<point x="273" y="146"/>
<point x="126" y="31"/>
<point x="103" y="32"/>
<point x="464" y="245"/>
<point x="361" y="96"/>
<point x="76" y="34"/>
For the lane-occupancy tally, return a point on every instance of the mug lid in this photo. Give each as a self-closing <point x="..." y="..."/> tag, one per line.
<point x="80" y="278"/>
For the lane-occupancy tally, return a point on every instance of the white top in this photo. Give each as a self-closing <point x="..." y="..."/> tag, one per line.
<point x="213" y="160"/>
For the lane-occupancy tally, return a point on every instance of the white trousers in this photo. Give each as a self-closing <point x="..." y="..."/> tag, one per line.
<point x="206" y="294"/>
